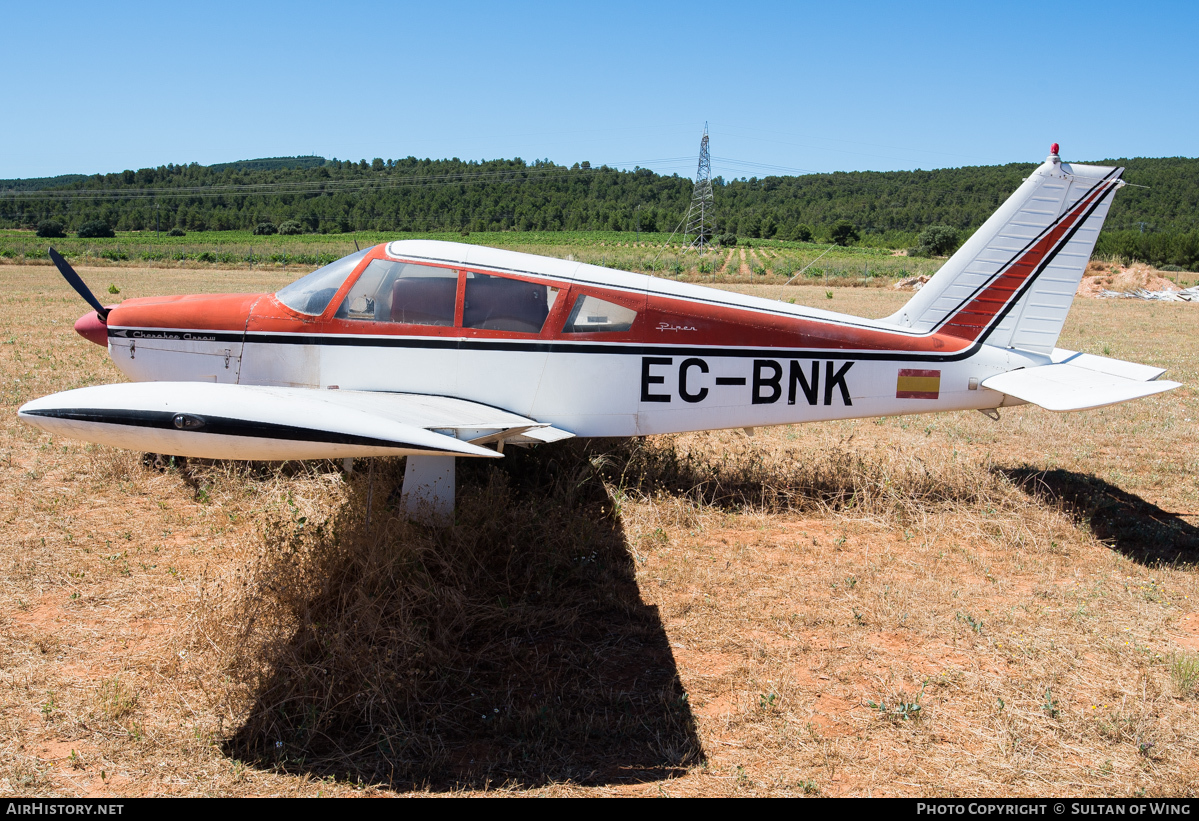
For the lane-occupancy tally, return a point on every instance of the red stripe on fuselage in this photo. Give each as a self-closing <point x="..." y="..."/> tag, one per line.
<point x="670" y="320"/>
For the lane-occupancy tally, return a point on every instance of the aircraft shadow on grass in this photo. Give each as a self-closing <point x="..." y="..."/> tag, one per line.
<point x="1138" y="529"/>
<point x="513" y="649"/>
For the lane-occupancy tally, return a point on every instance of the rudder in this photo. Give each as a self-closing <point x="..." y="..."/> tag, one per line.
<point x="1012" y="283"/>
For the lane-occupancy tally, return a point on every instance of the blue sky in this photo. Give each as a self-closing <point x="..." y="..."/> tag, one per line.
<point x="784" y="87"/>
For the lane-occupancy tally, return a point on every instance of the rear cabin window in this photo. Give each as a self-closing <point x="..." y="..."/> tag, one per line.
<point x="402" y="292"/>
<point x="591" y="315"/>
<point x="501" y="304"/>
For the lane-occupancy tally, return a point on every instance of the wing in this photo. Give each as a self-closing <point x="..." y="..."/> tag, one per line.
<point x="1077" y="381"/>
<point x="217" y="421"/>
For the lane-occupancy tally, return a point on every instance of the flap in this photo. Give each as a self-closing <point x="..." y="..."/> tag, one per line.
<point x="542" y="435"/>
<point x="469" y="421"/>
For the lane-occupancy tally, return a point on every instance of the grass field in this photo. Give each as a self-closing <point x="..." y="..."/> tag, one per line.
<point x="922" y="606"/>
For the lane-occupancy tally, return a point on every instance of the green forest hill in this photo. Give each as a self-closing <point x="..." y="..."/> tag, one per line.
<point x="1158" y="223"/>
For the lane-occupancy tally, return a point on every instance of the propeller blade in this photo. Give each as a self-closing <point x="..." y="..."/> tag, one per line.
<point x="72" y="278"/>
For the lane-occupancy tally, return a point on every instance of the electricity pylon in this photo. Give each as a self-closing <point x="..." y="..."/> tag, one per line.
<point x="701" y="216"/>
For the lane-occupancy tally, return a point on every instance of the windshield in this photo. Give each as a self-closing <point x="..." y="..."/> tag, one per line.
<point x="311" y="295"/>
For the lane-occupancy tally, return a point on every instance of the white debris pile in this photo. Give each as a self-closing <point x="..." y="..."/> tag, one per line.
<point x="1185" y="295"/>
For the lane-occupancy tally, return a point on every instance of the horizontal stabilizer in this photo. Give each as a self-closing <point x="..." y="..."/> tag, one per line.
<point x="1071" y="387"/>
<point x="221" y="421"/>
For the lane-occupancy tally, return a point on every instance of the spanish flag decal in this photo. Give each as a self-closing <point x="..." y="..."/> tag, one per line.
<point x="916" y="384"/>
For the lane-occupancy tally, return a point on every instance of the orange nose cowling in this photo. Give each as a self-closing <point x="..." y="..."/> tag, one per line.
<point x="92" y="329"/>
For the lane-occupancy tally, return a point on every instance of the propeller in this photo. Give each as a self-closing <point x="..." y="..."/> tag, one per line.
<point x="72" y="278"/>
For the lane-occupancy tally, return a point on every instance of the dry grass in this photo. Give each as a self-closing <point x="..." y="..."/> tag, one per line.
<point x="511" y="649"/>
<point x="936" y="605"/>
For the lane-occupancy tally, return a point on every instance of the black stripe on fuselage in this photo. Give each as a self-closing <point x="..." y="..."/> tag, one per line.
<point x="153" y="335"/>
<point x="219" y="425"/>
<point x="593" y="348"/>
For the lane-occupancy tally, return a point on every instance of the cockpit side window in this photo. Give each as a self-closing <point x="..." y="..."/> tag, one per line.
<point x="403" y="292"/>
<point x="311" y="294"/>
<point x="501" y="304"/>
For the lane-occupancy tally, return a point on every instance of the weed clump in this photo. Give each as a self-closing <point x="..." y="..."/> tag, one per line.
<point x="1184" y="672"/>
<point x="882" y="482"/>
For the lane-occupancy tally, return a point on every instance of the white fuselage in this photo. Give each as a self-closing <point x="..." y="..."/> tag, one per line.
<point x="601" y="390"/>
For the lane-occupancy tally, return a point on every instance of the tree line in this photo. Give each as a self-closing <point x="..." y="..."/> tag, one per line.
<point x="1159" y="222"/>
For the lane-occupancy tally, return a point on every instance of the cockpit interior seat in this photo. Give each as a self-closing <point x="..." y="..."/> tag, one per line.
<point x="424" y="300"/>
<point x="505" y="305"/>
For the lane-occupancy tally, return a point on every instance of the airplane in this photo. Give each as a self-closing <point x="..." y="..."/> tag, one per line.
<point x="438" y="351"/>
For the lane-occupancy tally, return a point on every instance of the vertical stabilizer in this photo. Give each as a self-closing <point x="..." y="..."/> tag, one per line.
<point x="1012" y="283"/>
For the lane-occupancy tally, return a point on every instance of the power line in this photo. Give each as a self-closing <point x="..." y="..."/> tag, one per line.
<point x="756" y="165"/>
